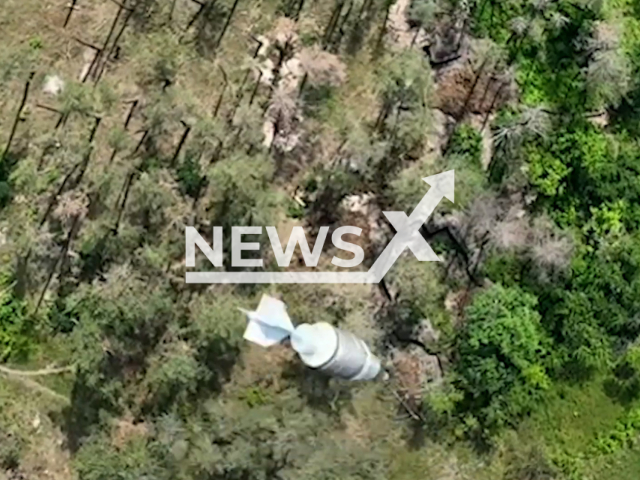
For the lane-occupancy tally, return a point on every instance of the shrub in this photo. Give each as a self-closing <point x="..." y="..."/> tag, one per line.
<point x="502" y="350"/>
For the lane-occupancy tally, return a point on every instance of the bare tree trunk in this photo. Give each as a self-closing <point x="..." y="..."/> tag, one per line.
<point x="226" y="24"/>
<point x="473" y="87"/>
<point x="92" y="135"/>
<point x="224" y="88"/>
<point x="171" y="10"/>
<point x="299" y="7"/>
<point x="276" y="132"/>
<point x="383" y="30"/>
<point x="462" y="31"/>
<point x="63" y="252"/>
<point x="123" y="205"/>
<point x="239" y="96"/>
<point x="16" y="120"/>
<point x="134" y="104"/>
<point x="142" y="139"/>
<point x="96" y="61"/>
<point x="51" y="109"/>
<point x="245" y="79"/>
<point x="85" y="161"/>
<point x="415" y="37"/>
<point x="277" y="70"/>
<point x="336" y="45"/>
<point x="62" y="120"/>
<point x="218" y="151"/>
<point x="96" y="56"/>
<point x="72" y="7"/>
<point x="255" y="88"/>
<point x="43" y="155"/>
<point x="382" y="116"/>
<point x="364" y="9"/>
<point x="303" y="83"/>
<point x="335" y="16"/>
<point x="113" y="156"/>
<point x="183" y="139"/>
<point x="114" y="44"/>
<point x="487" y="87"/>
<point x="54" y="198"/>
<point x="260" y="44"/>
<point x="493" y="104"/>
<point x="385" y="290"/>
<point x="197" y="15"/>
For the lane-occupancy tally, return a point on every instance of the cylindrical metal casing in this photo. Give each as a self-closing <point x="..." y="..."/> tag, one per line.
<point x="338" y="353"/>
<point x="352" y="359"/>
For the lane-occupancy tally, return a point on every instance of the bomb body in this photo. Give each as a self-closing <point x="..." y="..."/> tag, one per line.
<point x="335" y="352"/>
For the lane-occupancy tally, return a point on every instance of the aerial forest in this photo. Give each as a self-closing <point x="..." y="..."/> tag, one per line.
<point x="123" y="122"/>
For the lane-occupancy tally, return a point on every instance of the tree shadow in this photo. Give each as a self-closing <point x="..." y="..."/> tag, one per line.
<point x="624" y="387"/>
<point x="321" y="392"/>
<point x="90" y="402"/>
<point x="7" y="165"/>
<point x="417" y="436"/>
<point x="208" y="27"/>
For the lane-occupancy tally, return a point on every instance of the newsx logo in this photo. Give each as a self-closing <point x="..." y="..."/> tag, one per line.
<point x="407" y="236"/>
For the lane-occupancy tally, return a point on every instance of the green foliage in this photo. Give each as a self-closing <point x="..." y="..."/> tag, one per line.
<point x="172" y="376"/>
<point x="295" y="210"/>
<point x="10" y="451"/>
<point x="421" y="13"/>
<point x="242" y="195"/>
<point x="15" y="328"/>
<point x="405" y="88"/>
<point x="76" y="98"/>
<point x="420" y="291"/>
<point x="623" y="435"/>
<point x="165" y="386"/>
<point x="405" y="77"/>
<point x="547" y="172"/>
<point x="255" y="396"/>
<point x="626" y="382"/>
<point x="35" y="43"/>
<point x="466" y="142"/>
<point x="585" y="347"/>
<point x="505" y="268"/>
<point x="610" y="280"/>
<point x="99" y="460"/>
<point x="582" y="168"/>
<point x="463" y="155"/>
<point x="190" y="176"/>
<point x="502" y="352"/>
<point x="160" y="56"/>
<point x="491" y="19"/>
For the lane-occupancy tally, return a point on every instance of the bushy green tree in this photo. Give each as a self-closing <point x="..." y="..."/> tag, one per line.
<point x="584" y="346"/>
<point x="626" y="381"/>
<point x="137" y="458"/>
<point x="15" y="327"/>
<point x="240" y="193"/>
<point x="502" y="350"/>
<point x="405" y="88"/>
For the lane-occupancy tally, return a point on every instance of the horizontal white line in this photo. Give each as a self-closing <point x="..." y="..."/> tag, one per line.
<point x="280" y="277"/>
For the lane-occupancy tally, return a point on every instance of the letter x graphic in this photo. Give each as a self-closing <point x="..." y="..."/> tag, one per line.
<point x="409" y="236"/>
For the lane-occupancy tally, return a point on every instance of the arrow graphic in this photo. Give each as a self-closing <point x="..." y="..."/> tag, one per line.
<point x="407" y="236"/>
<point x="408" y="228"/>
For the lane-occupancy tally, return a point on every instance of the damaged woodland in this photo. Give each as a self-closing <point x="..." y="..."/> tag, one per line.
<point x="122" y="122"/>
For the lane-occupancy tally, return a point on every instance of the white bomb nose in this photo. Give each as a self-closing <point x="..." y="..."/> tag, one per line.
<point x="315" y="344"/>
<point x="302" y="340"/>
